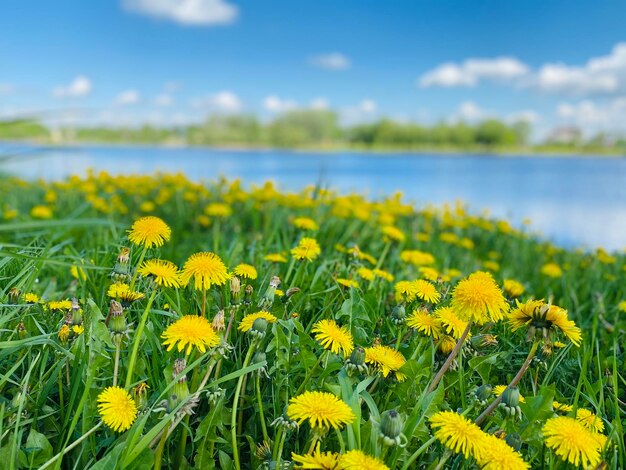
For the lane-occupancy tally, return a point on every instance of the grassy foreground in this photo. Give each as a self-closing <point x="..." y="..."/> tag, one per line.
<point x="313" y="330"/>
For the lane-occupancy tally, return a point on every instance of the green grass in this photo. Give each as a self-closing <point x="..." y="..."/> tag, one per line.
<point x="49" y="388"/>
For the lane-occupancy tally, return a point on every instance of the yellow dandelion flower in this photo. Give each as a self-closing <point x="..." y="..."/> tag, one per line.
<point x="121" y="291"/>
<point x="307" y="249"/>
<point x="491" y="266"/>
<point x="41" y="212"/>
<point x="552" y="270"/>
<point x="117" y="408"/>
<point x="381" y="273"/>
<point x="425" y="291"/>
<point x="245" y="271"/>
<point x="424" y="322"/>
<point x="458" y="434"/>
<point x="572" y="441"/>
<point x="165" y="273"/>
<point x="544" y="317"/>
<point x="479" y="298"/>
<point x="218" y="209"/>
<point x="499" y="390"/>
<point x="321" y="409"/>
<point x="78" y="272"/>
<point x="78" y="329"/>
<point x="366" y="274"/>
<point x="387" y="360"/>
<point x="305" y="223"/>
<point x="562" y="407"/>
<point x="206" y="269"/>
<point x="30" y="298"/>
<point x="359" y="460"/>
<point x="450" y="322"/>
<point x="333" y="337"/>
<point x="246" y="322"/>
<point x="431" y="274"/>
<point x="275" y="258"/>
<point x="149" y="231"/>
<point x="446" y="344"/>
<point x="392" y="233"/>
<point x="188" y="332"/>
<point x="347" y="282"/>
<point x="513" y="288"/>
<point x="589" y="420"/>
<point x="417" y="257"/>
<point x="64" y="333"/>
<point x="498" y="455"/>
<point x="622" y="305"/>
<point x="405" y="291"/>
<point x="57" y="305"/>
<point x="317" y="460"/>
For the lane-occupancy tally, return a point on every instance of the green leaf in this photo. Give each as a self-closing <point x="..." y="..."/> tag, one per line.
<point x="37" y="449"/>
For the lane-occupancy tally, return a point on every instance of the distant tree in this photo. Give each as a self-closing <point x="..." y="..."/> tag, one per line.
<point x="494" y="132"/>
<point x="304" y="127"/>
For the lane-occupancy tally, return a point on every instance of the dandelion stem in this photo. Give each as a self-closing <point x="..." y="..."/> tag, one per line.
<point x="141" y="257"/>
<point x="417" y="453"/>
<point x="279" y="455"/>
<point x="137" y="339"/>
<point x="203" y="307"/>
<point x="233" y="416"/>
<point x="158" y="456"/>
<point x="118" y="344"/>
<point x="342" y="444"/>
<point x="71" y="446"/>
<point x="451" y="357"/>
<point x="514" y="382"/>
<point x="259" y="399"/>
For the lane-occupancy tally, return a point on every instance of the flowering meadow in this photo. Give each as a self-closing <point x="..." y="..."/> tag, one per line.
<point x="156" y="322"/>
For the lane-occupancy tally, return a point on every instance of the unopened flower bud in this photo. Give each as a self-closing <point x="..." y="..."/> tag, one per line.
<point x="218" y="321"/>
<point x="248" y="294"/>
<point x="259" y="327"/>
<point x="391" y="427"/>
<point x="117" y="319"/>
<point x="14" y="294"/>
<point x="398" y="314"/>
<point x="64" y="333"/>
<point x="268" y="298"/>
<point x="121" y="270"/>
<point x="356" y="362"/>
<point x="510" y="401"/>
<point x="77" y="312"/>
<point x="22" y="333"/>
<point x="259" y="357"/>
<point x="140" y="394"/>
<point x="289" y="293"/>
<point x="483" y="394"/>
<point x="483" y="341"/>
<point x="235" y="290"/>
<point x="180" y="391"/>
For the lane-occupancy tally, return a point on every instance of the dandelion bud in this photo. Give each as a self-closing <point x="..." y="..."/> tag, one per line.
<point x="64" y="333"/>
<point x="214" y="395"/>
<point x="77" y="312"/>
<point x="124" y="256"/>
<point x="259" y="357"/>
<point x="235" y="290"/>
<point x="180" y="391"/>
<point x="248" y="294"/>
<point x="259" y="327"/>
<point x="218" y="321"/>
<point x="121" y="270"/>
<point x="510" y="401"/>
<point x="483" y="394"/>
<point x="14" y="294"/>
<point x="391" y="427"/>
<point x="140" y="395"/>
<point x="356" y="362"/>
<point x="398" y="314"/>
<point x="117" y="323"/>
<point x="284" y="422"/>
<point x="290" y="292"/>
<point x="22" y="333"/>
<point x="268" y="298"/>
<point x="514" y="440"/>
<point x="483" y="341"/>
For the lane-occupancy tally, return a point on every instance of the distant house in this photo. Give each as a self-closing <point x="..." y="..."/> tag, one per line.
<point x="565" y="135"/>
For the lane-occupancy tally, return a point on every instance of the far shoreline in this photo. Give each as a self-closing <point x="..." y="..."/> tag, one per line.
<point x="518" y="152"/>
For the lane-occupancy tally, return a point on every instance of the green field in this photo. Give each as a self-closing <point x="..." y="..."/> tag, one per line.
<point x="297" y="330"/>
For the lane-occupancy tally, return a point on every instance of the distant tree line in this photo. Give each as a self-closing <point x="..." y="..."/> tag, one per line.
<point x="304" y="129"/>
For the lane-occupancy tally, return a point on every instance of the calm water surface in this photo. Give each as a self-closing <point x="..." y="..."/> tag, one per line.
<point x="572" y="201"/>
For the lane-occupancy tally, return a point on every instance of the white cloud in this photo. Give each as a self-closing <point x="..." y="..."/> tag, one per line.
<point x="525" y="115"/>
<point x="470" y="111"/>
<point x="472" y="71"/>
<point x="364" y="110"/>
<point x="319" y="104"/>
<point x="186" y="12"/>
<point x="224" y="101"/>
<point x="331" y="61"/>
<point x="276" y="104"/>
<point x="164" y="100"/>
<point x="594" y="116"/>
<point x="80" y="86"/>
<point x="127" y="97"/>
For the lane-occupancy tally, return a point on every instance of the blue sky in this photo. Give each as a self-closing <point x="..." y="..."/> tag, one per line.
<point x="175" y="61"/>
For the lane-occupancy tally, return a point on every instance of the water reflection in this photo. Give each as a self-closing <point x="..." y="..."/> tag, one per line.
<point x="573" y="201"/>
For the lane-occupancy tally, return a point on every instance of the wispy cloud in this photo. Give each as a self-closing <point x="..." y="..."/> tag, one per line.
<point x="364" y="110"/>
<point x="472" y="71"/>
<point x="186" y="12"/>
<point x="127" y="97"/>
<point x="224" y="101"/>
<point x="80" y="86"/>
<point x="164" y="100"/>
<point x="275" y="104"/>
<point x="331" y="61"/>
